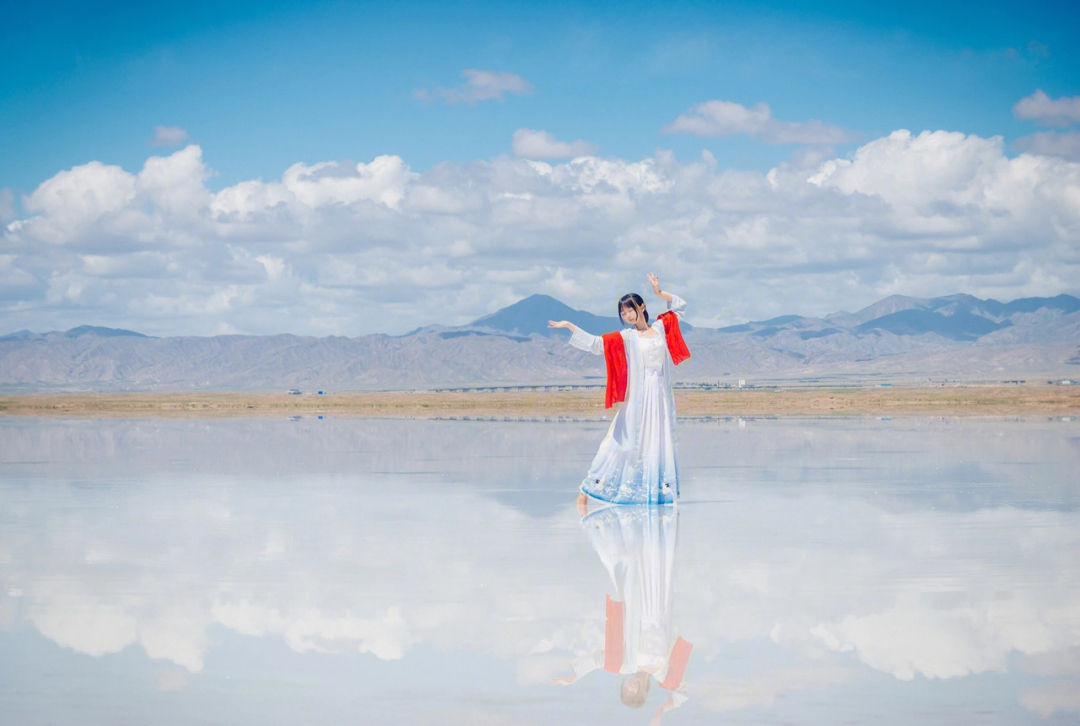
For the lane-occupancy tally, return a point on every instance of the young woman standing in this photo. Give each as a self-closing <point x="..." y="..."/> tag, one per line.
<point x="637" y="463"/>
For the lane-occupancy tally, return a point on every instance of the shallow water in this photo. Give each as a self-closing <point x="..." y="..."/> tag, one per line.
<point x="436" y="572"/>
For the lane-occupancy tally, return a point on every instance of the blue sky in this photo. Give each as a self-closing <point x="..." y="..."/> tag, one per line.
<point x="262" y="85"/>
<point x="660" y="100"/>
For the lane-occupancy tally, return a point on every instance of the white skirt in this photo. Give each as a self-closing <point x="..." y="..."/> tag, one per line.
<point x="646" y="472"/>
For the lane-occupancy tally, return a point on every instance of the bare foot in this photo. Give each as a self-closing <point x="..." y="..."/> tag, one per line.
<point x="583" y="504"/>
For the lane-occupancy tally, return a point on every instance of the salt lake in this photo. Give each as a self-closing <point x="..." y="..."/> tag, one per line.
<point x="256" y="571"/>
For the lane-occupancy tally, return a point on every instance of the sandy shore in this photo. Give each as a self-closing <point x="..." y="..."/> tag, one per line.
<point x="951" y="401"/>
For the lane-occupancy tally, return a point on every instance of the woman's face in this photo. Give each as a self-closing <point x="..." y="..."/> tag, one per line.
<point x="629" y="315"/>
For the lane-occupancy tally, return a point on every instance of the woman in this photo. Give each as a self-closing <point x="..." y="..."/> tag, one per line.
<point x="636" y="463"/>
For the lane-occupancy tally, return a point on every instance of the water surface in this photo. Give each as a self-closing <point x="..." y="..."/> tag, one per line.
<point x="435" y="572"/>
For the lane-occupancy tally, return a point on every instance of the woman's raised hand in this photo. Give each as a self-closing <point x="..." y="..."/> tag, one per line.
<point x="655" y="282"/>
<point x="560" y="324"/>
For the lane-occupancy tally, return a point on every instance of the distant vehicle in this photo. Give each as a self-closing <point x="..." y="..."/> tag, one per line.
<point x="294" y="392"/>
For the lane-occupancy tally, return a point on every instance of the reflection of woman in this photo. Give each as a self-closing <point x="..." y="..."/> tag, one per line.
<point x="636" y="462"/>
<point x="637" y="546"/>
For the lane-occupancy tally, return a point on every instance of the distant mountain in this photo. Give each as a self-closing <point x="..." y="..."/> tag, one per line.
<point x="952" y="304"/>
<point x="531" y="315"/>
<point x="78" y="332"/>
<point x="759" y="325"/>
<point x="958" y="326"/>
<point x="898" y="338"/>
<point x="102" y="332"/>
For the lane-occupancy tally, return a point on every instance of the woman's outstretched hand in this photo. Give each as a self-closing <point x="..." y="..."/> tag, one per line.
<point x="561" y="324"/>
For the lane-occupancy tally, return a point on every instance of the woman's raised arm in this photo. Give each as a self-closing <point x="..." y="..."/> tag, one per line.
<point x="674" y="303"/>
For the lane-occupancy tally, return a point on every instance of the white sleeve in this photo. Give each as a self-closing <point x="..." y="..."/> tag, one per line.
<point x="677" y="305"/>
<point x="592" y="343"/>
<point x="587" y="663"/>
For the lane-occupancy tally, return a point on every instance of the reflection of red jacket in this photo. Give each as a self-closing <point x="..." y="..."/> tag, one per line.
<point x="615" y="357"/>
<point x="613" y="647"/>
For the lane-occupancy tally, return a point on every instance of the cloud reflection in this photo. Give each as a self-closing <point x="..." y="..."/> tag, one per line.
<point x="832" y="543"/>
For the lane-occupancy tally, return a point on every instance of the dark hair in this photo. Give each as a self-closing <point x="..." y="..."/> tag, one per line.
<point x="632" y="301"/>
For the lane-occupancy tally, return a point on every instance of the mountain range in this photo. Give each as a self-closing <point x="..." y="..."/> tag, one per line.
<point x="958" y="337"/>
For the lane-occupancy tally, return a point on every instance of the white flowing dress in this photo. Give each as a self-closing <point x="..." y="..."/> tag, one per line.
<point x="637" y="462"/>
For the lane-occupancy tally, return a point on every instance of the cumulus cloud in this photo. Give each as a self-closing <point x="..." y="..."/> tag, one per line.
<point x="168" y="136"/>
<point x="1046" y="111"/>
<point x="374" y="246"/>
<point x="929" y="641"/>
<point x="479" y="86"/>
<point x="1065" y="144"/>
<point x="727" y="118"/>
<point x="533" y="144"/>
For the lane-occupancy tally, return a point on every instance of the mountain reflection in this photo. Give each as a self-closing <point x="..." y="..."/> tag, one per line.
<point x="869" y="566"/>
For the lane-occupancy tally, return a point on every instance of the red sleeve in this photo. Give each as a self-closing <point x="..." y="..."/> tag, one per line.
<point x="675" y="343"/>
<point x="615" y="357"/>
<point x="680" y="654"/>
<point x="613" y="635"/>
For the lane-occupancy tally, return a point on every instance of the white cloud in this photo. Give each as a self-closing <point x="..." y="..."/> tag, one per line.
<point x="930" y="641"/>
<point x="727" y="118"/>
<point x="168" y="136"/>
<point x="383" y="180"/>
<point x="1065" y="144"/>
<point x="479" y="86"/>
<point x="71" y="204"/>
<point x="1046" y="111"/>
<point x="350" y="248"/>
<point x="534" y="144"/>
<point x="174" y="184"/>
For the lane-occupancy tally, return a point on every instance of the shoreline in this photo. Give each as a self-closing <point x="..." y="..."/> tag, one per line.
<point x="817" y="402"/>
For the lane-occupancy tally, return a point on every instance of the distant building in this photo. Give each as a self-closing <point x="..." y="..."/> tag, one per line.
<point x="294" y="392"/>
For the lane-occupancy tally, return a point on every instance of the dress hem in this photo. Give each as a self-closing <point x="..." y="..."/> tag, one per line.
<point x="660" y="502"/>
